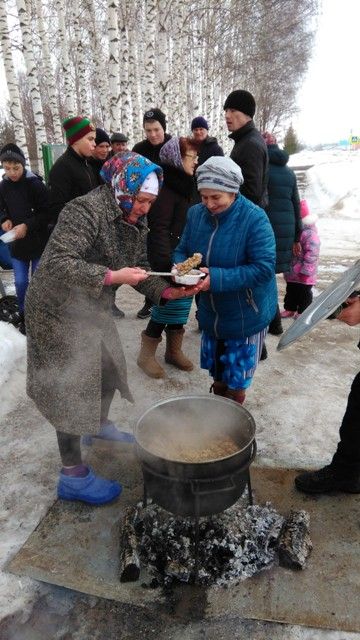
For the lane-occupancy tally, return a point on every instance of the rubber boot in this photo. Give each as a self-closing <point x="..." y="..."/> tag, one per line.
<point x="146" y="358"/>
<point x="173" y="353"/>
<point x="218" y="388"/>
<point x="91" y="488"/>
<point x="238" y="395"/>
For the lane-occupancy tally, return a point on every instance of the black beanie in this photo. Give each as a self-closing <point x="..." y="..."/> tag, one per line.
<point x="241" y="100"/>
<point x="12" y="153"/>
<point x="101" y="136"/>
<point x="155" y="114"/>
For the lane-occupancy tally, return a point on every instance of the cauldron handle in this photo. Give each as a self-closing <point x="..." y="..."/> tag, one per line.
<point x="196" y="484"/>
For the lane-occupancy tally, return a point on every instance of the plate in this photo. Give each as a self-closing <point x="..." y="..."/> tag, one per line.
<point x="9" y="236"/>
<point x="193" y="277"/>
<point x="323" y="306"/>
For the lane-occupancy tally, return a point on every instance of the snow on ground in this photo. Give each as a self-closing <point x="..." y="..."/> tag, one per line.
<point x="297" y="399"/>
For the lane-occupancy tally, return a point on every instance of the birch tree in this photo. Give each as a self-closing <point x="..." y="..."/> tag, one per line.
<point x="163" y="54"/>
<point x="82" y="56"/>
<point x="149" y="62"/>
<point x="101" y="79"/>
<point x="69" y="102"/>
<point x="113" y="66"/>
<point x="179" y="74"/>
<point x="16" y="115"/>
<point x="135" y="87"/>
<point x="28" y="52"/>
<point x="125" y="96"/>
<point x="48" y="72"/>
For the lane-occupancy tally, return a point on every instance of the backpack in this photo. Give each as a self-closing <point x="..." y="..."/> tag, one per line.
<point x="9" y="310"/>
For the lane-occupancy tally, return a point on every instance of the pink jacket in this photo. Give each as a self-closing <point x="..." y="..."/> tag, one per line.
<point x="304" y="267"/>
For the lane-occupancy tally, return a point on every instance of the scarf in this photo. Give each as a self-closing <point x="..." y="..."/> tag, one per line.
<point x="125" y="173"/>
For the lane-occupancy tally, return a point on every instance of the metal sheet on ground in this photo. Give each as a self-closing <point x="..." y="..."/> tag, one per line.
<point x="77" y="546"/>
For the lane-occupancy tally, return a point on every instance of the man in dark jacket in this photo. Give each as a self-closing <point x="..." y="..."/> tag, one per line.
<point x="154" y="123"/>
<point x="208" y="145"/>
<point x="71" y="175"/>
<point x="249" y="150"/>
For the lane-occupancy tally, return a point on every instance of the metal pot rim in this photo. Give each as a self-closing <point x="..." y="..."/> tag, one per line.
<point x="203" y="396"/>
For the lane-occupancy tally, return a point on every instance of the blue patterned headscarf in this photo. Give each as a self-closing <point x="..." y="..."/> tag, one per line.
<point x="125" y="173"/>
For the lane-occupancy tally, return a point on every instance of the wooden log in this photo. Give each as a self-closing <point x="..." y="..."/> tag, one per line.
<point x="129" y="557"/>
<point x="294" y="543"/>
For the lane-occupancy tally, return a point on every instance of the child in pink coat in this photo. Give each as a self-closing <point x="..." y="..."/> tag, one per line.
<point x="303" y="272"/>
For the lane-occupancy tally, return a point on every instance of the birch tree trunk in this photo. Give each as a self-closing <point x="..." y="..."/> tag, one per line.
<point x="82" y="57"/>
<point x="16" y="115"/>
<point x="126" y="106"/>
<point x="101" y="78"/>
<point x="163" y="55"/>
<point x="48" y="72"/>
<point x="135" y="87"/>
<point x="69" y="102"/>
<point x="178" y="82"/>
<point x="114" y="78"/>
<point x="149" y="62"/>
<point x="28" y="52"/>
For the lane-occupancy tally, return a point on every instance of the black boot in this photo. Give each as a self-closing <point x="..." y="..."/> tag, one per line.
<point x="21" y="325"/>
<point x="145" y="311"/>
<point x="264" y="353"/>
<point x="275" y="326"/>
<point x="326" y="480"/>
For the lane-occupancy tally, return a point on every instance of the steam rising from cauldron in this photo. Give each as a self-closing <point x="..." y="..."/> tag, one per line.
<point x="171" y="427"/>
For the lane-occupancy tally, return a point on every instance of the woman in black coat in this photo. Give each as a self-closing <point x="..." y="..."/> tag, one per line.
<point x="283" y="212"/>
<point x="166" y="221"/>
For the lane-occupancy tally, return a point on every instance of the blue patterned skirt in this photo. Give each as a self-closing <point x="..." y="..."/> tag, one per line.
<point x="232" y="361"/>
<point x="173" y="312"/>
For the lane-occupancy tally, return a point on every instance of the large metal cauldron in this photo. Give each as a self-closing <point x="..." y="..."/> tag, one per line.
<point x="194" y="488"/>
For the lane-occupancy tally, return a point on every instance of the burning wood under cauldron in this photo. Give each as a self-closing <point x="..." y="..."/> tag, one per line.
<point x="195" y="453"/>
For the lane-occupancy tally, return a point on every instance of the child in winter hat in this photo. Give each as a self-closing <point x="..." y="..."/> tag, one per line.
<point x="303" y="272"/>
<point x="76" y="127"/>
<point x="12" y="153"/>
<point x="155" y="114"/>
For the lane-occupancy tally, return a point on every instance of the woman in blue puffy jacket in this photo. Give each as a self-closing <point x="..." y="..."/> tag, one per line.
<point x="238" y="296"/>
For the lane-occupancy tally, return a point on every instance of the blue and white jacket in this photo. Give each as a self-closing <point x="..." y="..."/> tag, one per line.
<point x="238" y="246"/>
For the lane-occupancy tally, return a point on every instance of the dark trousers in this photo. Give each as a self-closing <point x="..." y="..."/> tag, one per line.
<point x="69" y="445"/>
<point x="155" y="329"/>
<point x="298" y="296"/>
<point x="347" y="456"/>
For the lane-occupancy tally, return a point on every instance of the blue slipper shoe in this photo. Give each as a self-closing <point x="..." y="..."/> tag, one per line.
<point x="109" y="431"/>
<point x="91" y="489"/>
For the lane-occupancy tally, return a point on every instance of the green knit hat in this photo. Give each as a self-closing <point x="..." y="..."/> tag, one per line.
<point x="77" y="127"/>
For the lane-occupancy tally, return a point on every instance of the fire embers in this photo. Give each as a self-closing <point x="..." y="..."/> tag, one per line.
<point x="233" y="545"/>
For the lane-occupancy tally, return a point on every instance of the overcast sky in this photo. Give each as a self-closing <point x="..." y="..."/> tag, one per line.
<point x="330" y="97"/>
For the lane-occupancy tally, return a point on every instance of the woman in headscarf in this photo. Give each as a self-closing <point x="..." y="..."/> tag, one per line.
<point x="238" y="297"/>
<point x="167" y="218"/>
<point x="75" y="357"/>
